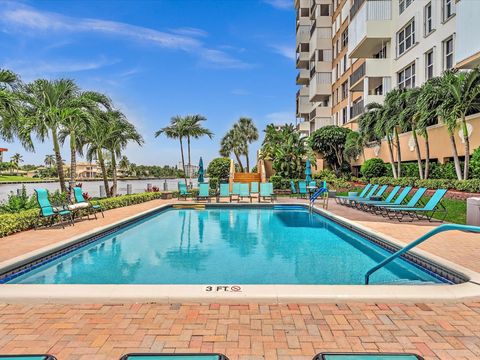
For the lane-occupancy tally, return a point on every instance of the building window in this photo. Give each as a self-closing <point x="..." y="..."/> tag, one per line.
<point x="403" y="4"/>
<point x="447" y="9"/>
<point x="344" y="62"/>
<point x="406" y="77"/>
<point x="429" y="65"/>
<point x="428" y="19"/>
<point x="406" y="37"/>
<point x="344" y="90"/>
<point x="448" y="53"/>
<point x="344" y="115"/>
<point x="324" y="10"/>
<point x="381" y="54"/>
<point x="345" y="38"/>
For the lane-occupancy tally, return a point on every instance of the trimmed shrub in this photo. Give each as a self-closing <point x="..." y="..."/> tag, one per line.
<point x="387" y="180"/>
<point x="219" y="168"/>
<point x="373" y="168"/>
<point x="436" y="183"/>
<point x="214" y="183"/>
<point x="280" y="183"/>
<point x="475" y="164"/>
<point x="471" y="185"/>
<point x="410" y="170"/>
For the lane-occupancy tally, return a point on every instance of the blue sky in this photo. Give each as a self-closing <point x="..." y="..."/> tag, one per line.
<point x="155" y="59"/>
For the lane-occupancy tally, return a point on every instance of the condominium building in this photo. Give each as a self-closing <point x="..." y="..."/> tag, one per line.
<point x="352" y="52"/>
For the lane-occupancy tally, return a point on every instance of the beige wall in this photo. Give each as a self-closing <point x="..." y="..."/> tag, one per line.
<point x="440" y="148"/>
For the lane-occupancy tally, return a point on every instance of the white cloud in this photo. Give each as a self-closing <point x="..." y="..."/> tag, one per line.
<point x="281" y="117"/>
<point x="18" y="17"/>
<point x="240" y="92"/>
<point x="280" y="4"/>
<point x="285" y="51"/>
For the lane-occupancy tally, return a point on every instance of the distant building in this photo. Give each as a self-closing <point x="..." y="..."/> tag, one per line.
<point x="2" y="150"/>
<point x="86" y="170"/>
<point x="191" y="170"/>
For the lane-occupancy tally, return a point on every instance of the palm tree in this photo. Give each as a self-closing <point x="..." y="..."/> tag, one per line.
<point x="120" y="133"/>
<point x="124" y="164"/>
<point x="462" y="90"/>
<point x="391" y="122"/>
<point x="194" y="129"/>
<point x="44" y="103"/>
<point x="16" y="159"/>
<point x="234" y="143"/>
<point x="176" y="130"/>
<point x="247" y="130"/>
<point x="49" y="160"/>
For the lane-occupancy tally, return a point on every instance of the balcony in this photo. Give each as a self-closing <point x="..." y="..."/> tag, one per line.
<point x="304" y="127"/>
<point x="303" y="34"/>
<point x="372" y="69"/>
<point x="303" y="77"/>
<point x="303" y="103"/>
<point x="303" y="56"/>
<point x="355" y="78"/>
<point x="320" y="86"/>
<point x="370" y="28"/>
<point x="357" y="109"/>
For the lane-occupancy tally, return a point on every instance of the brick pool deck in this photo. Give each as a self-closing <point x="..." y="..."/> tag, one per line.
<point x="247" y="332"/>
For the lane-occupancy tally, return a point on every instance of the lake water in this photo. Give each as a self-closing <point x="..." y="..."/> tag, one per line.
<point x="93" y="187"/>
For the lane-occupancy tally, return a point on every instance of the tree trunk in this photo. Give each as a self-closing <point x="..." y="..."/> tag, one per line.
<point x="189" y="160"/>
<point x="58" y="156"/>
<point x="419" y="156"/>
<point x="114" y="175"/>
<point x="456" y="161"/>
<point x="467" y="148"/>
<point x="248" y="162"/>
<point x="101" y="161"/>
<point x="183" y="162"/>
<point x="239" y="161"/>
<point x="427" y="156"/>
<point x="392" y="160"/>
<point x="73" y="162"/>
<point x="399" y="153"/>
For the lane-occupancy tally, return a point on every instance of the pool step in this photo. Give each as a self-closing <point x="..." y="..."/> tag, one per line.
<point x="288" y="207"/>
<point x="189" y="206"/>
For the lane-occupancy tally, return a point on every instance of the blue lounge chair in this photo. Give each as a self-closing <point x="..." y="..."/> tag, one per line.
<point x="203" y="192"/>
<point x="367" y="356"/>
<point x="266" y="191"/>
<point x="80" y="200"/>
<point x="183" y="191"/>
<point x="270" y="187"/>
<point x="343" y="200"/>
<point x="293" y="188"/>
<point x="254" y="189"/>
<point x="28" y="357"/>
<point x="375" y="206"/>
<point x="49" y="212"/>
<point x="350" y="200"/>
<point x="364" y="204"/>
<point x="175" y="356"/>
<point x="426" y="212"/>
<point x="244" y="192"/>
<point x="224" y="192"/>
<point x="415" y="199"/>
<point x="235" y="191"/>
<point x="302" y="189"/>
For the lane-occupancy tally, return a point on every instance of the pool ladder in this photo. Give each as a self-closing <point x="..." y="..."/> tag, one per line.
<point x="428" y="235"/>
<point x="321" y="192"/>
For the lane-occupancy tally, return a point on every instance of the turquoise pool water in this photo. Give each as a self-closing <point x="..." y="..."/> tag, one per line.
<point x="227" y="246"/>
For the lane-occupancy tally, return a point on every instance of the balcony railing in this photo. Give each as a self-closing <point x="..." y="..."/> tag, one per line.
<point x="314" y="25"/>
<point x="357" y="74"/>
<point x="357" y="109"/>
<point x="357" y="4"/>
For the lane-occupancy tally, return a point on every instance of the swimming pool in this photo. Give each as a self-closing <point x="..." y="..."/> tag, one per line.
<point x="227" y="245"/>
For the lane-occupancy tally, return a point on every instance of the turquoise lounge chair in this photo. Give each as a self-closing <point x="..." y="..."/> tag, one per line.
<point x="367" y="356"/>
<point x="375" y="206"/>
<point x="302" y="189"/>
<point x="363" y="193"/>
<point x="379" y="194"/>
<point x="28" y="357"/>
<point x="235" y="191"/>
<point x="350" y="200"/>
<point x="224" y="192"/>
<point x="203" y="192"/>
<point x="175" y="356"/>
<point x="270" y="187"/>
<point x="416" y="198"/>
<point x="426" y="212"/>
<point x="266" y="192"/>
<point x="182" y="191"/>
<point x="366" y="204"/>
<point x="48" y="211"/>
<point x="293" y="188"/>
<point x="244" y="192"/>
<point x="80" y="200"/>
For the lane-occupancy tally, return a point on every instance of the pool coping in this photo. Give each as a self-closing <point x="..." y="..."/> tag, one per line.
<point x="106" y="293"/>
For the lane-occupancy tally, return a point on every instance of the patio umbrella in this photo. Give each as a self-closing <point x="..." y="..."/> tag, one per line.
<point x="308" y="171"/>
<point x="200" y="171"/>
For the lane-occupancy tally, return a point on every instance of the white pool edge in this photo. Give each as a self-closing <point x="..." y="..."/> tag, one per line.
<point x="52" y="293"/>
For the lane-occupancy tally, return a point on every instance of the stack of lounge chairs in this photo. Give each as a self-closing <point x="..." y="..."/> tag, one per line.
<point x="398" y="204"/>
<point x="241" y="192"/>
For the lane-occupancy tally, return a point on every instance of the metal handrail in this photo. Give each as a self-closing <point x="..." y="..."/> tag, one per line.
<point x="439" y="229"/>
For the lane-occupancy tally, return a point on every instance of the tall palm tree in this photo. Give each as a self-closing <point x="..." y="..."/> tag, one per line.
<point x="247" y="130"/>
<point x="16" y="159"/>
<point x="391" y="123"/>
<point x="43" y="104"/>
<point x="462" y="98"/>
<point x="124" y="164"/>
<point x="234" y="143"/>
<point x="176" y="130"/>
<point x="49" y="161"/>
<point x="194" y="129"/>
<point x="120" y="133"/>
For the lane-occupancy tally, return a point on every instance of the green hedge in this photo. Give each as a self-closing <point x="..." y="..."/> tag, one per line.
<point x="471" y="185"/>
<point x="25" y="220"/>
<point x="280" y="183"/>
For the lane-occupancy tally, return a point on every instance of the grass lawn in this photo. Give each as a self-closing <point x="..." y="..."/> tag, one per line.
<point x="10" y="178"/>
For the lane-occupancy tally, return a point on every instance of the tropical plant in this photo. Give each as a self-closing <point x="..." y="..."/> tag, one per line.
<point x="329" y="141"/>
<point x="16" y="203"/>
<point x="219" y="168"/>
<point x="194" y="129"/>
<point x="248" y="131"/>
<point x="353" y="146"/>
<point x="49" y="161"/>
<point x="16" y="159"/>
<point x="176" y="130"/>
<point x="373" y="168"/>
<point x="475" y="164"/>
<point x="124" y="164"/>
<point x="233" y="142"/>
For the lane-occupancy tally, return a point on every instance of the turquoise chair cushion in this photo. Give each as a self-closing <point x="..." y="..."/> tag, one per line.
<point x="203" y="190"/>
<point x="236" y="188"/>
<point x="254" y="187"/>
<point x="369" y="357"/>
<point x="96" y="206"/>
<point x="44" y="202"/>
<point x="25" y="357"/>
<point x="77" y="192"/>
<point x="224" y="190"/>
<point x="172" y="357"/>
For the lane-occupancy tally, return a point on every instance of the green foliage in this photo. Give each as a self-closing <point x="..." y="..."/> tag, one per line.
<point x="373" y="168"/>
<point x="254" y="169"/>
<point x="387" y="180"/>
<point x="475" y="164"/>
<point x="219" y="168"/>
<point x="410" y="170"/>
<point x="470" y="185"/>
<point x="329" y="141"/>
<point x="443" y="171"/>
<point x="280" y="183"/>
<point x="435" y="183"/>
<point x="353" y="146"/>
<point x="16" y="203"/>
<point x="58" y="198"/>
<point x="214" y="183"/>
